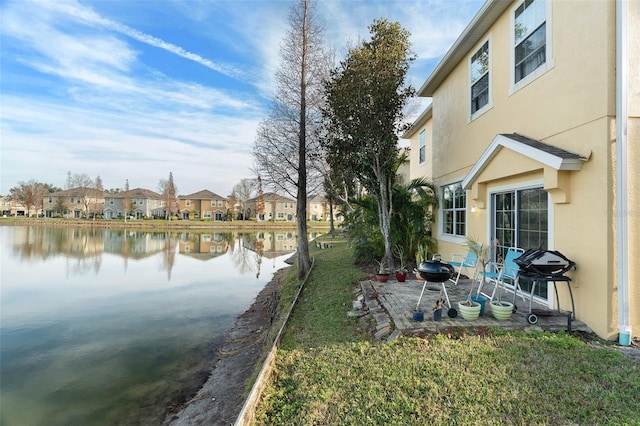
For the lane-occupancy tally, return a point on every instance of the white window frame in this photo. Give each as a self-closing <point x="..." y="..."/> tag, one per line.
<point x="549" y="62"/>
<point x="529" y="184"/>
<point x="422" y="144"/>
<point x="486" y="107"/>
<point x="454" y="238"/>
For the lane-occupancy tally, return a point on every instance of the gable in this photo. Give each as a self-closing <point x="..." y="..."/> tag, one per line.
<point x="510" y="155"/>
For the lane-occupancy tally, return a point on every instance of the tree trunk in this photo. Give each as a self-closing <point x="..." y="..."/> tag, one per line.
<point x="385" y="207"/>
<point x="304" y="261"/>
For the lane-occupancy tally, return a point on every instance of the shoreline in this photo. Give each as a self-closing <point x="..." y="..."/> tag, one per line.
<point x="159" y="224"/>
<point x="220" y="399"/>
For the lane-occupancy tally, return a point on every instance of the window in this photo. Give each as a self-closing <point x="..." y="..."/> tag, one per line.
<point x="520" y="219"/>
<point x="219" y="203"/>
<point x="188" y="203"/>
<point x="423" y="147"/>
<point x="530" y="38"/>
<point x="479" y="76"/>
<point x="454" y="210"/>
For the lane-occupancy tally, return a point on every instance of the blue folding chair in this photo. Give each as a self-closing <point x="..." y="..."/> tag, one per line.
<point x="469" y="261"/>
<point x="501" y="273"/>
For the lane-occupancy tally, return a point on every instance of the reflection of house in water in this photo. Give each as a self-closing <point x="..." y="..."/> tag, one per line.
<point x="203" y="245"/>
<point x="133" y="244"/>
<point x="274" y="244"/>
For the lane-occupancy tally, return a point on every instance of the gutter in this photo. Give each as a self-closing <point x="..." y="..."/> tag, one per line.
<point x="622" y="163"/>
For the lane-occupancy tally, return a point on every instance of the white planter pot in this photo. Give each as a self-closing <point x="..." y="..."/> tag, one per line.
<point x="501" y="310"/>
<point x="467" y="312"/>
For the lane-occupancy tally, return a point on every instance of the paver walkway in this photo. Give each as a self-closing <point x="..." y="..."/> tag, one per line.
<point x="392" y="305"/>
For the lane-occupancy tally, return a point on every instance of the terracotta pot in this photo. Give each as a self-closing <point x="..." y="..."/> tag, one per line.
<point x="382" y="276"/>
<point x="401" y="277"/>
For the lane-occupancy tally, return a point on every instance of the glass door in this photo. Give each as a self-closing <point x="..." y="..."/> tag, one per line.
<point x="520" y="219"/>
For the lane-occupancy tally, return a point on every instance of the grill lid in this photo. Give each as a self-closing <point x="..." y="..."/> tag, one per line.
<point x="544" y="262"/>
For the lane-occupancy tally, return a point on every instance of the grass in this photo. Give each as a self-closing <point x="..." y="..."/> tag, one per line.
<point x="329" y="372"/>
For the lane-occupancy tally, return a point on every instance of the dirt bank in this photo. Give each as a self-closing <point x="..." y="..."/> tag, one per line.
<point x="220" y="399"/>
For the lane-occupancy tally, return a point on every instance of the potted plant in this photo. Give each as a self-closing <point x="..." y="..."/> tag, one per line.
<point x="383" y="273"/>
<point x="401" y="272"/>
<point x="437" y="308"/>
<point x="501" y="310"/>
<point x="470" y="309"/>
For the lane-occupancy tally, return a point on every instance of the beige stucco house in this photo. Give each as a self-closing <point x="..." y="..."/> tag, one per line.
<point x="10" y="207"/>
<point x="78" y="202"/>
<point x="531" y="135"/>
<point x="276" y="208"/>
<point x="203" y="205"/>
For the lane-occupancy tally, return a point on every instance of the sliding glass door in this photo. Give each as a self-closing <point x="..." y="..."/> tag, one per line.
<point x="520" y="218"/>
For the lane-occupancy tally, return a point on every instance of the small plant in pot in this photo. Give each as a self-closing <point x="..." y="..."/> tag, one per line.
<point x="437" y="308"/>
<point x="383" y="273"/>
<point x="500" y="309"/>
<point x="401" y="272"/>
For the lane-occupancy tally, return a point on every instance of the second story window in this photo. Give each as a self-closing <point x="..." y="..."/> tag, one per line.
<point x="530" y="38"/>
<point x="479" y="73"/>
<point x="188" y="202"/>
<point x="422" y="153"/>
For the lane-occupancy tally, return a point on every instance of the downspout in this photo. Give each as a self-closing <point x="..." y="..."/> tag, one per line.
<point x="622" y="213"/>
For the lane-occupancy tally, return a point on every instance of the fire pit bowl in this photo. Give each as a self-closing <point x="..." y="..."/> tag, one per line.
<point x="435" y="271"/>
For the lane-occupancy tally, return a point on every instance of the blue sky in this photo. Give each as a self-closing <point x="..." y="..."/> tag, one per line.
<point x="135" y="89"/>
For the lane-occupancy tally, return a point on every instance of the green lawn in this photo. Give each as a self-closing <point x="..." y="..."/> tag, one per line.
<point x="328" y="371"/>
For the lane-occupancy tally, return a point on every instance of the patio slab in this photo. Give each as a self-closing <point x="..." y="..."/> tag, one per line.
<point x="399" y="299"/>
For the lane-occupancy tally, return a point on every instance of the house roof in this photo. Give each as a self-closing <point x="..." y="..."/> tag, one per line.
<point x="136" y="193"/>
<point x="205" y="194"/>
<point x="419" y="122"/>
<point x="272" y="197"/>
<point x="544" y="153"/>
<point x="71" y="192"/>
<point x="489" y="13"/>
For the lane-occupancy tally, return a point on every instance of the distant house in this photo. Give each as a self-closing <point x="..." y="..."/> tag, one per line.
<point x="10" y="207"/>
<point x="203" y="205"/>
<point x="276" y="208"/>
<point x="144" y="203"/>
<point x="76" y="202"/>
<point x="319" y="210"/>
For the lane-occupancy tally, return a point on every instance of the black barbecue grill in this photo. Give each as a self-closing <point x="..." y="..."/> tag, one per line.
<point x="544" y="266"/>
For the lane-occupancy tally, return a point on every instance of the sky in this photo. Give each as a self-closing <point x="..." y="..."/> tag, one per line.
<point x="136" y="89"/>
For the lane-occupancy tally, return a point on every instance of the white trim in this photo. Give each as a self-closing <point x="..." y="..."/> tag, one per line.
<point x="502" y="141"/>
<point x="528" y="184"/>
<point x="489" y="104"/>
<point x="452" y="238"/>
<point x="542" y="69"/>
<point x="423" y="131"/>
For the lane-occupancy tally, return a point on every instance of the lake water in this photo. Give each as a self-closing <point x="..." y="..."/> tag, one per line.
<point x="106" y="327"/>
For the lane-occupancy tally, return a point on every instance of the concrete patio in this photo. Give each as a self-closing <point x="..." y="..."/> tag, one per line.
<point x="392" y="304"/>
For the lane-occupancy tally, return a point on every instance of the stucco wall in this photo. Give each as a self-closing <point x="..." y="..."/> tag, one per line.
<point x="571" y="106"/>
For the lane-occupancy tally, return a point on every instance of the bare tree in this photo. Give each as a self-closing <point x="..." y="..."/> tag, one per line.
<point x="84" y="187"/>
<point x="243" y="191"/>
<point x="98" y="189"/>
<point x="26" y="194"/>
<point x="169" y="193"/>
<point x="287" y="139"/>
<point x="126" y="200"/>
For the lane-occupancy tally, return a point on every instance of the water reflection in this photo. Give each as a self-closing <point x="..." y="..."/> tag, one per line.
<point x="84" y="248"/>
<point x="105" y="326"/>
